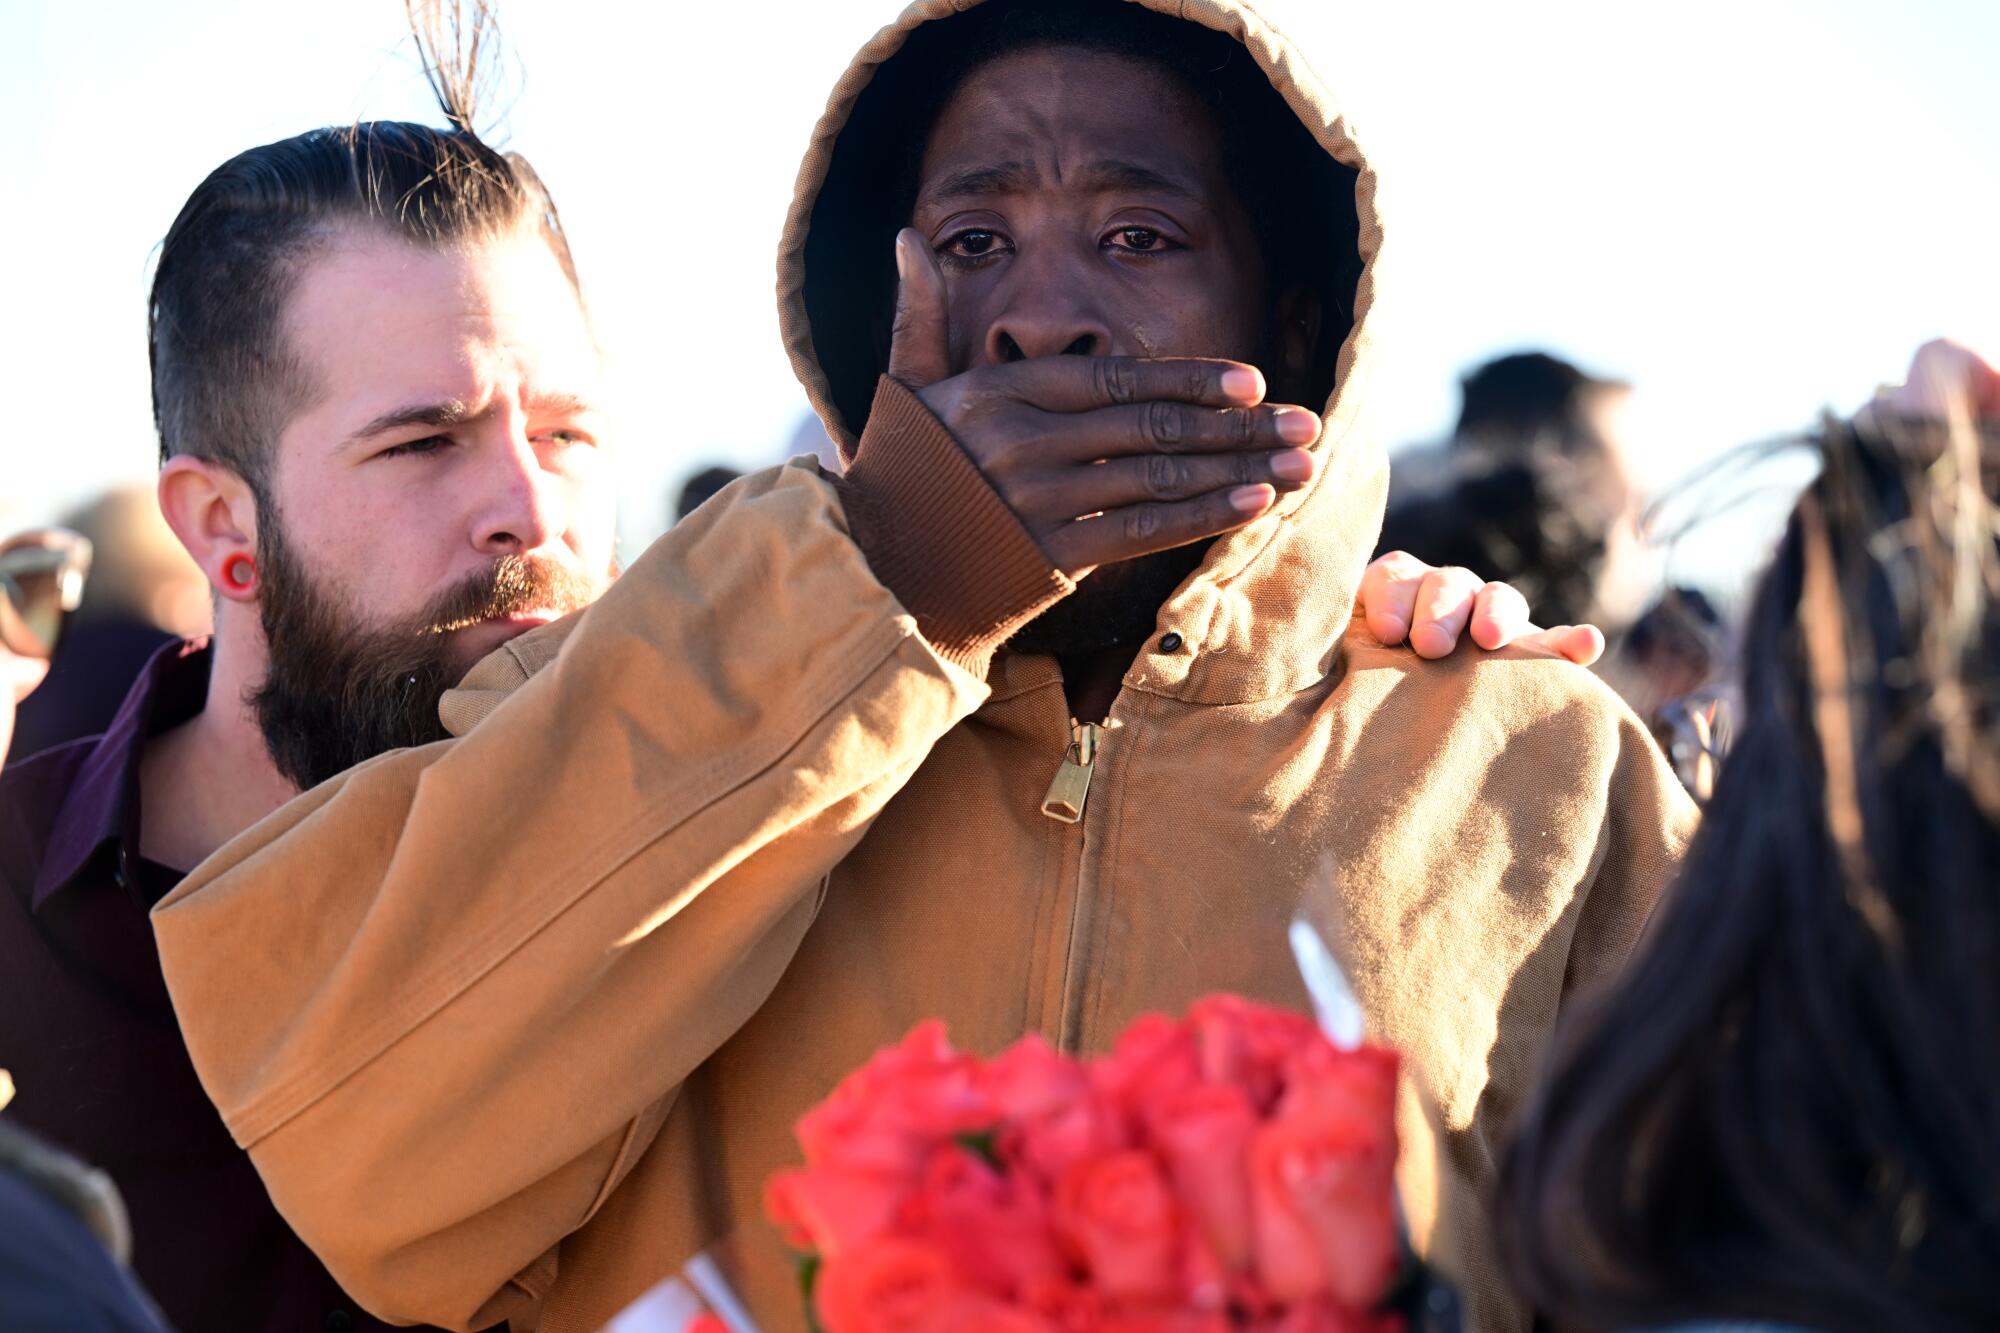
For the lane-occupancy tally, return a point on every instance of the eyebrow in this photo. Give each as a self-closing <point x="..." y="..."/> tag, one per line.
<point x="453" y="412"/>
<point x="1005" y="178"/>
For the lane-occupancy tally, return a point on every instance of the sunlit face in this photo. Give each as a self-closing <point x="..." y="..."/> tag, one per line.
<point x="1078" y="203"/>
<point x="457" y="420"/>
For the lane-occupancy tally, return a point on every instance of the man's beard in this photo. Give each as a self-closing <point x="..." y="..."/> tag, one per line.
<point x="1116" y="606"/>
<point x="339" y="689"/>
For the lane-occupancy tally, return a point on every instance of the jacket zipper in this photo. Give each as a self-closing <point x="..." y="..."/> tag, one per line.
<point x="1071" y="786"/>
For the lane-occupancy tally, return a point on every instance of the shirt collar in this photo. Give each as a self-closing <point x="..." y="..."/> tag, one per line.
<point x="102" y="807"/>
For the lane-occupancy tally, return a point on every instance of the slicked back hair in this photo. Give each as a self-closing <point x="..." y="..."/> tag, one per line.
<point x="225" y="378"/>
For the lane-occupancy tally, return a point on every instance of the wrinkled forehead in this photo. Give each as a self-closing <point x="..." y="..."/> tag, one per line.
<point x="1058" y="119"/>
<point x="374" y="317"/>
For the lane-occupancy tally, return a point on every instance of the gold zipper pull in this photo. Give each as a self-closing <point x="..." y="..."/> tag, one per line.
<point x="1072" y="780"/>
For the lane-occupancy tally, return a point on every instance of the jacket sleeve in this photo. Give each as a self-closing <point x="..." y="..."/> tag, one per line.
<point x="445" y="999"/>
<point x="1649" y="819"/>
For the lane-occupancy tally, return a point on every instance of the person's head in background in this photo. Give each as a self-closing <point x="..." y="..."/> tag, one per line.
<point x="138" y="571"/>
<point x="377" y="395"/>
<point x="1789" y="1108"/>
<point x="143" y="592"/>
<point x="696" y="490"/>
<point x="1539" y="493"/>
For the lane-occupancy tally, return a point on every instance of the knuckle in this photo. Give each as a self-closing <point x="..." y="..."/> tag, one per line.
<point x="1244" y="426"/>
<point x="1009" y="447"/>
<point x="978" y="398"/>
<point x="1164" y="425"/>
<point x="1141" y="524"/>
<point x="1114" y="379"/>
<point x="1165" y="477"/>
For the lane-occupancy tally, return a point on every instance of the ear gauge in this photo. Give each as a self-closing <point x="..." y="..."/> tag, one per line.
<point x="239" y="573"/>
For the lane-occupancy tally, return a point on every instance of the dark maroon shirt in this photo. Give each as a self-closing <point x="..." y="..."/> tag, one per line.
<point x="89" y="1035"/>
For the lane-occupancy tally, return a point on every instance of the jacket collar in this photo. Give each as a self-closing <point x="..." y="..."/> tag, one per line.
<point x="102" y="808"/>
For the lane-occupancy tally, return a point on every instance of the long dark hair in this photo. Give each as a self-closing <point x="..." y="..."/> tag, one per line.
<point x="1789" y="1107"/>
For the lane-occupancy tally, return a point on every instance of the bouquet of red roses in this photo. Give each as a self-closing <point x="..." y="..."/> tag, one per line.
<point x="1229" y="1171"/>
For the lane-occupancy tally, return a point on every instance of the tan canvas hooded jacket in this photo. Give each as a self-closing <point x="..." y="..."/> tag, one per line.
<point x="515" y="1023"/>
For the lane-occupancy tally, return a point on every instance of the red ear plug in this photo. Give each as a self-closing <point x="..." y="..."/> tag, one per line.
<point x="239" y="573"/>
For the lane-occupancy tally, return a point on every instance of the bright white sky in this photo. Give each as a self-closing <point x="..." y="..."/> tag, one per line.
<point x="1753" y="209"/>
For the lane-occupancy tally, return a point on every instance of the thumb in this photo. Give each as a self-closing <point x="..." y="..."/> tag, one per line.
<point x="919" y="350"/>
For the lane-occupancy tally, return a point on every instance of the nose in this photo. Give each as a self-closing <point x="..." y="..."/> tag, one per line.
<point x="521" y="504"/>
<point x="1046" y="309"/>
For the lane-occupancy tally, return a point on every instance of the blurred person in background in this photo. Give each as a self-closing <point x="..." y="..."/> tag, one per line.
<point x="1788" y="1109"/>
<point x="143" y="592"/>
<point x="374" y="383"/>
<point x="700" y="487"/>
<point x="1534" y="489"/>
<point x="65" y="1243"/>
<point x="43" y="575"/>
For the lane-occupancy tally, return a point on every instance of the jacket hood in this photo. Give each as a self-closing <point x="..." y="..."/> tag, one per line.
<point x="1264" y="613"/>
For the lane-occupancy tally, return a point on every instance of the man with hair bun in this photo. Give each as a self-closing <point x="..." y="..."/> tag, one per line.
<point x="375" y="388"/>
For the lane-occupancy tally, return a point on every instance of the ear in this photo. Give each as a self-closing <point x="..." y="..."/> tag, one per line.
<point x="1297" y="343"/>
<point x="214" y="513"/>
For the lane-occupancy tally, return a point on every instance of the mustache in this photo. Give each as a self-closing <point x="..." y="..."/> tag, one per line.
<point x="513" y="585"/>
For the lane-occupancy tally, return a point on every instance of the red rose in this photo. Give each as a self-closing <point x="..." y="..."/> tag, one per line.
<point x="705" y="1323"/>
<point x="1119" y="1218"/>
<point x="1051" y="1115"/>
<point x="1031" y="1078"/>
<point x="1204" y="1136"/>
<point x="888" y="1285"/>
<point x="887" y="1115"/>
<point x="983" y="1314"/>
<point x="995" y="1229"/>
<point x="1323" y="1182"/>
<point x="1152" y="1061"/>
<point x="1250" y="1045"/>
<point x="1164" y="1321"/>
<point x="830" y="1210"/>
<point x="1323" y="1316"/>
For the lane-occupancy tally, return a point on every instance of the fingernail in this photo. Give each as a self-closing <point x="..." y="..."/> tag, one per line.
<point x="1298" y="427"/>
<point x="902" y="261"/>
<point x="1243" y="382"/>
<point x="1252" y="499"/>
<point x="1292" y="465"/>
<point x="1430" y="641"/>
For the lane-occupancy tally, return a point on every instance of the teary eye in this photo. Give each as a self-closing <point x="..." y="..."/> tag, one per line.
<point x="972" y="243"/>
<point x="1135" y="238"/>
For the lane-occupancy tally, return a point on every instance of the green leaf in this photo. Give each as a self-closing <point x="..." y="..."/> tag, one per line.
<point x="809" y="1266"/>
<point x="983" y="1144"/>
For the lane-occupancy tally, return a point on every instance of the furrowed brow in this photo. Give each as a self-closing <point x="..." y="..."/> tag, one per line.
<point x="1113" y="175"/>
<point x="438" y="416"/>
<point x="979" y="183"/>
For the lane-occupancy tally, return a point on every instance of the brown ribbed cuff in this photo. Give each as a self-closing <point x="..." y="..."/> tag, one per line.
<point x="939" y="537"/>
